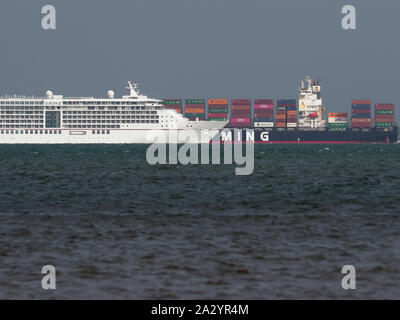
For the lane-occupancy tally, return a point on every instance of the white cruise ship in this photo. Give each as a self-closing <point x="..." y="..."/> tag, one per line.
<point x="133" y="118"/>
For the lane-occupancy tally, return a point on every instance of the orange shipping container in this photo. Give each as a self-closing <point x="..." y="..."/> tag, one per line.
<point x="194" y="110"/>
<point x="218" y="101"/>
<point x="361" y="120"/>
<point x="337" y="115"/>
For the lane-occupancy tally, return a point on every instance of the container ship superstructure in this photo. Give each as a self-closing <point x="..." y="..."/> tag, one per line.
<point x="133" y="117"/>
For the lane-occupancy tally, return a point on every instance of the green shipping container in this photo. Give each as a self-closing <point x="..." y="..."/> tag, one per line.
<point x="217" y="119"/>
<point x="384" y="112"/>
<point x="217" y="110"/>
<point x="337" y="129"/>
<point x="172" y="102"/>
<point x="195" y="101"/>
<point x="337" y="125"/>
<point x="194" y="115"/>
<point x="384" y="124"/>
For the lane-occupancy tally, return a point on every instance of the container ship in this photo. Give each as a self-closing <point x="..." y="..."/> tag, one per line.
<point x="136" y="118"/>
<point x="301" y="120"/>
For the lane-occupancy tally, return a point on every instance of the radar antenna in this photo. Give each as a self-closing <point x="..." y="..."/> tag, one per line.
<point x="132" y="89"/>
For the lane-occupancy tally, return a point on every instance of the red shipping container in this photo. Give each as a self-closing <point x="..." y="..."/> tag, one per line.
<point x="361" y="111"/>
<point x="217" y="106"/>
<point x="361" y="101"/>
<point x="217" y="115"/>
<point x="241" y="111"/>
<point x="270" y="111"/>
<point x="264" y="101"/>
<point x="384" y="119"/>
<point x="195" y="105"/>
<point x="241" y="107"/>
<point x="263" y="107"/>
<point x="263" y="115"/>
<point x="241" y="101"/>
<point x="381" y="106"/>
<point x="241" y="120"/>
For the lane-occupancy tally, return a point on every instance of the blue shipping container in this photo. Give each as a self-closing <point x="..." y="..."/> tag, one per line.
<point x="264" y="119"/>
<point x="286" y="101"/>
<point x="361" y="106"/>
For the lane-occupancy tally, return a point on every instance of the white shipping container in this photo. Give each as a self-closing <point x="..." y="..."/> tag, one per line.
<point x="291" y="124"/>
<point x="263" y="124"/>
<point x="337" y="120"/>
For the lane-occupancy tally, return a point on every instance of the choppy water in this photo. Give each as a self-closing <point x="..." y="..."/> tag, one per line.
<point x="116" y="227"/>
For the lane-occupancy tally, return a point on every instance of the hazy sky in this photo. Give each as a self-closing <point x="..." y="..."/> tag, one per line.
<point x="202" y="48"/>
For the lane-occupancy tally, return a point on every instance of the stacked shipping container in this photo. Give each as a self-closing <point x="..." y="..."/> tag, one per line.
<point x="264" y="113"/>
<point x="218" y="109"/>
<point x="337" y="121"/>
<point x="361" y="114"/>
<point x="280" y="115"/>
<point x="241" y="113"/>
<point x="286" y="113"/>
<point x="384" y="115"/>
<point x="195" y="109"/>
<point x="175" y="104"/>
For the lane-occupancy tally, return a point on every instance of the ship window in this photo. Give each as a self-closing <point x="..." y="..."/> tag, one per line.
<point x="6" y="131"/>
<point x="2" y="131"/>
<point x="98" y="131"/>
<point x="50" y="131"/>
<point x="93" y="131"/>
<point x="108" y="131"/>
<point x="41" y="131"/>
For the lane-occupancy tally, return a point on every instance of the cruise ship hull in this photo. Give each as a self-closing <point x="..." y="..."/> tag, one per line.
<point x="106" y="136"/>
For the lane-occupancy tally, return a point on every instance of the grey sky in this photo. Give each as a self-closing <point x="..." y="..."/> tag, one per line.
<point x="202" y="48"/>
